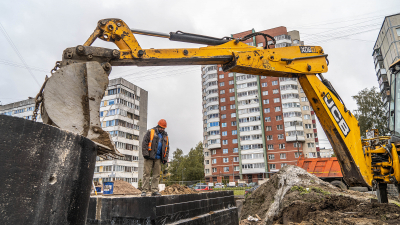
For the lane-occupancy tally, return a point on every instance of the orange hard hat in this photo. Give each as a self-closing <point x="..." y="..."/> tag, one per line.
<point x="162" y="123"/>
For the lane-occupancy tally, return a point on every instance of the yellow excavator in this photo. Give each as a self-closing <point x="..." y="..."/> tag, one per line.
<point x="71" y="96"/>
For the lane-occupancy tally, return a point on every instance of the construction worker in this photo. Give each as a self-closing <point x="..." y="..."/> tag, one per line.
<point x="155" y="149"/>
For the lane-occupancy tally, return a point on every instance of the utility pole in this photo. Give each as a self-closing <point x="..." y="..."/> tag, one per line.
<point x="297" y="141"/>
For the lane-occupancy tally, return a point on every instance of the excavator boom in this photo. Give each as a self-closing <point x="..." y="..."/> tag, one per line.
<point x="82" y="79"/>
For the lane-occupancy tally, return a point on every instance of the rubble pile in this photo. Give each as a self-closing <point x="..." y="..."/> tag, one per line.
<point x="295" y="196"/>
<point x="177" y="189"/>
<point x="124" y="188"/>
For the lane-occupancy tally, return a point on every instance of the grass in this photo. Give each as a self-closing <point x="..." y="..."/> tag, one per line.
<point x="304" y="191"/>
<point x="238" y="192"/>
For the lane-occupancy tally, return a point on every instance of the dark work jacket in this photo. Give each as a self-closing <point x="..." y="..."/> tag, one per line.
<point x="153" y="152"/>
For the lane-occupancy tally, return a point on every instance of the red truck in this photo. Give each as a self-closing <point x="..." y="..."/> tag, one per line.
<point x="326" y="169"/>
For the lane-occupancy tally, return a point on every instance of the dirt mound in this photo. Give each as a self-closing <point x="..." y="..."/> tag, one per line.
<point x="293" y="195"/>
<point x="177" y="189"/>
<point x="123" y="187"/>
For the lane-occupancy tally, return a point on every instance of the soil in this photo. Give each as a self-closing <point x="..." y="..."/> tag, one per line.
<point x="124" y="188"/>
<point x="177" y="189"/>
<point x="292" y="196"/>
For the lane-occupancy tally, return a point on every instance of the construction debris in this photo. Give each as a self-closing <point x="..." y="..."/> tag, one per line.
<point x="177" y="189"/>
<point x="295" y="196"/>
<point x="124" y="188"/>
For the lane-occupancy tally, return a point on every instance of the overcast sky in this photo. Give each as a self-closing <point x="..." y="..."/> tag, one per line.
<point x="42" y="29"/>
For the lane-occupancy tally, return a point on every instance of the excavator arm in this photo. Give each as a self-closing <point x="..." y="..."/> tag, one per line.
<point x="71" y="97"/>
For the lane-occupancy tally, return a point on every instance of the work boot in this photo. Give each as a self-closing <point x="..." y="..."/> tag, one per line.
<point x="143" y="194"/>
<point x="156" y="193"/>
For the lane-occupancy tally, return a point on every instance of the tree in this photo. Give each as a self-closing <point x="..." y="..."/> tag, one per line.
<point x="188" y="167"/>
<point x="370" y="112"/>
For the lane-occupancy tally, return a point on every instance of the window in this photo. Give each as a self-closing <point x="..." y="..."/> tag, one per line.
<point x="233" y="115"/>
<point x="221" y="84"/>
<point x="271" y="156"/>
<point x="214" y="170"/>
<point x="309" y="135"/>
<point x="234" y="132"/>
<point x="265" y="93"/>
<point x="236" y="159"/>
<point x="268" y="128"/>
<point x="206" y="153"/>
<point x="282" y="155"/>
<point x="304" y="99"/>
<point x="310" y="145"/>
<point x="222" y="92"/>
<point x="282" y="146"/>
<point x="230" y="82"/>
<point x="225" y="160"/>
<point x="311" y="155"/>
<point x="260" y="44"/>
<point x="279" y="127"/>
<point x="264" y="84"/>
<point x="226" y="169"/>
<point x="214" y="161"/>
<point x="225" y="151"/>
<point x="295" y="145"/>
<point x="270" y="147"/>
<point x="222" y="99"/>
<point x="223" y="124"/>
<point x="277" y="109"/>
<point x="296" y="154"/>
<point x="224" y="142"/>
<point x="236" y="168"/>
<point x="266" y="101"/>
<point x="214" y="152"/>
<point x="224" y="133"/>
<point x="232" y="98"/>
<point x="307" y="126"/>
<point x="283" y="164"/>
<point x="223" y="108"/>
<point x="231" y="90"/>
<point x="219" y="68"/>
<point x="230" y="74"/>
<point x="266" y="110"/>
<point x="275" y="91"/>
<point x="235" y="150"/>
<point x="267" y="119"/>
<point x="275" y="82"/>
<point x="278" y="118"/>
<point x="269" y="137"/>
<point x="306" y="107"/>
<point x="234" y="141"/>
<point x="233" y="107"/>
<point x="280" y="136"/>
<point x="272" y="166"/>
<point x="223" y="116"/>
<point x="307" y="117"/>
<point x="277" y="100"/>
<point x="221" y="76"/>
<point x="207" y="162"/>
<point x="207" y="171"/>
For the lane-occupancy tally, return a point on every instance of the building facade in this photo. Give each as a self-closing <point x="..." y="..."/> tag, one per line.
<point x="255" y="125"/>
<point x="387" y="51"/>
<point x="123" y="113"/>
<point x="23" y="109"/>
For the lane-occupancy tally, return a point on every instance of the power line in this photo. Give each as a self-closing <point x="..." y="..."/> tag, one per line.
<point x="14" y="64"/>
<point x="3" y="30"/>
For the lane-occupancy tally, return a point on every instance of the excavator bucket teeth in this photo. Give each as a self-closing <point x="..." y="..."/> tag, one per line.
<point x="71" y="101"/>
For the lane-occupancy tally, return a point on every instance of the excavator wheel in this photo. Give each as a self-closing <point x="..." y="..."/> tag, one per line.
<point x="339" y="184"/>
<point x="381" y="193"/>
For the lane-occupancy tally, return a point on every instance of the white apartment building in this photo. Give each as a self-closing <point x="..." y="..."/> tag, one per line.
<point x="23" y="109"/>
<point x="123" y="113"/>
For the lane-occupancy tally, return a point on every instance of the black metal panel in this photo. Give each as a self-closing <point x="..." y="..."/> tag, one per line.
<point x="46" y="173"/>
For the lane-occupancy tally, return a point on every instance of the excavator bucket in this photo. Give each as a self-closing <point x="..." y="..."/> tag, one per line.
<point x="71" y="101"/>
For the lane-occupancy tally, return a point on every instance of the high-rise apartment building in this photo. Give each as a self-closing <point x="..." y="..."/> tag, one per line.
<point x="255" y="125"/>
<point x="123" y="113"/>
<point x="23" y="109"/>
<point x="387" y="51"/>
